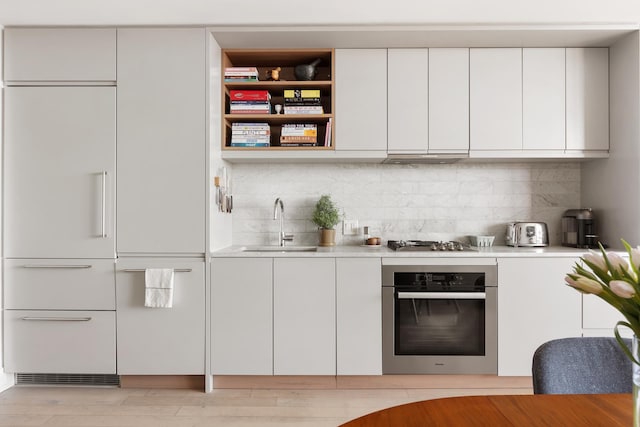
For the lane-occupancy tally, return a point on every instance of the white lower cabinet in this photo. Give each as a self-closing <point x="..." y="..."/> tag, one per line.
<point x="534" y="306"/>
<point x="161" y="341"/>
<point x="304" y="316"/>
<point x="61" y="342"/>
<point x="359" y="316"/>
<point x="242" y="316"/>
<point x="59" y="316"/>
<point x="600" y="318"/>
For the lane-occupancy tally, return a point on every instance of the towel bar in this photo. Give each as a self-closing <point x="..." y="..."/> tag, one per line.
<point x="141" y="270"/>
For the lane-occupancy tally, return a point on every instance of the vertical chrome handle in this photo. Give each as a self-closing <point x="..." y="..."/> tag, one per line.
<point x="103" y="233"/>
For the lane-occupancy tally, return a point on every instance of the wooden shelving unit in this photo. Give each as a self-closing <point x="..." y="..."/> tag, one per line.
<point x="286" y="59"/>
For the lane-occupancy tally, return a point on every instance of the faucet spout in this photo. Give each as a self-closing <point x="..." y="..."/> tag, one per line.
<point x="278" y="207"/>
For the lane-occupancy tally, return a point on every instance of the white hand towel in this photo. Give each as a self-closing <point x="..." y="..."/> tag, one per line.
<point x="158" y="291"/>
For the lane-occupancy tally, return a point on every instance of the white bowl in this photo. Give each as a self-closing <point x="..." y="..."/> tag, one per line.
<point x="481" y="241"/>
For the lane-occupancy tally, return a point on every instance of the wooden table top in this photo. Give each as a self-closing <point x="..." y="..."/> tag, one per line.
<point x="507" y="410"/>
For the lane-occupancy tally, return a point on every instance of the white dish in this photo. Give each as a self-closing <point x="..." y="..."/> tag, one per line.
<point x="372" y="246"/>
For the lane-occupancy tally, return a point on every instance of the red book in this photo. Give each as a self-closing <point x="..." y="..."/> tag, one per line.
<point x="249" y="95"/>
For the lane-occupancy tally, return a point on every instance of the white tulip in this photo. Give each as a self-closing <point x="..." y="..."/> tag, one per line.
<point x="584" y="284"/>
<point x="635" y="257"/>
<point x="617" y="262"/>
<point x="622" y="288"/>
<point x="598" y="260"/>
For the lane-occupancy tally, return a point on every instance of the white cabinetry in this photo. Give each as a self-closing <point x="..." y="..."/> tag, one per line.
<point x="534" y="306"/>
<point x="161" y="140"/>
<point x="449" y="100"/>
<point x="428" y="95"/>
<point x="600" y="318"/>
<point x="60" y="54"/>
<point x="242" y="316"/>
<point x="495" y="99"/>
<point x="361" y="100"/>
<point x="408" y="100"/>
<point x="304" y="316"/>
<point x="51" y="306"/>
<point x="359" y="316"/>
<point x="587" y="99"/>
<point x="59" y="163"/>
<point x="156" y="341"/>
<point x="543" y="99"/>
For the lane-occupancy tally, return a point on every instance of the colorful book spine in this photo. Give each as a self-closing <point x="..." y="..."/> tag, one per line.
<point x="302" y="93"/>
<point x="249" y="95"/>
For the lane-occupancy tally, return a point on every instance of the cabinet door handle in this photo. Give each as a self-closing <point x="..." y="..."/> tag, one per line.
<point x="56" y="266"/>
<point x="142" y="270"/>
<point x="103" y="232"/>
<point x="56" y="319"/>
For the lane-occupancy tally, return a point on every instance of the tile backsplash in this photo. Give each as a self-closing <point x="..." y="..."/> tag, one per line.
<point x="431" y="202"/>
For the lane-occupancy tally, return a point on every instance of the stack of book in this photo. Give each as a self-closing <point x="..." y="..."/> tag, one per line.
<point x="302" y="101"/>
<point x="241" y="74"/>
<point x="250" y="134"/>
<point x="299" y="135"/>
<point x="249" y="102"/>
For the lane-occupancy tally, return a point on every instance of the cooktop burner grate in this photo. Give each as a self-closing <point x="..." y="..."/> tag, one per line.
<point x="427" y="245"/>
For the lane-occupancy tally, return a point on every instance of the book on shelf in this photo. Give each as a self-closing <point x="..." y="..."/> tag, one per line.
<point x="301" y="93"/>
<point x="250" y="144"/>
<point x="250" y="140"/>
<point x="297" y="102"/>
<point x="244" y="132"/>
<point x="249" y="95"/>
<point x="241" y="71"/>
<point x="241" y="79"/>
<point x="250" y="126"/>
<point x="327" y="134"/>
<point x="299" y="129"/>
<point x="298" y="144"/>
<point x="298" y="138"/>
<point x="303" y="109"/>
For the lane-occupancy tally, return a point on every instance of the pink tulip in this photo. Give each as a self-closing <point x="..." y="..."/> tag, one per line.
<point x="598" y="260"/>
<point x="635" y="257"/>
<point x="584" y="284"/>
<point x="617" y="262"/>
<point x="622" y="288"/>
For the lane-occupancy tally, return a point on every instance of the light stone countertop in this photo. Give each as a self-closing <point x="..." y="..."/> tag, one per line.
<point x="384" y="252"/>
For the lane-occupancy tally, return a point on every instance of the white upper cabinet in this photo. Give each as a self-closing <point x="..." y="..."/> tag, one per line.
<point x="361" y="99"/>
<point x="60" y="54"/>
<point x="59" y="163"/>
<point x="495" y="99"/>
<point x="161" y="140"/>
<point x="587" y="99"/>
<point x="543" y="99"/>
<point x="408" y="100"/>
<point x="448" y="100"/>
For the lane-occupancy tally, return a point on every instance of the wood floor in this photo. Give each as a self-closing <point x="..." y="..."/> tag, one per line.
<point x="93" y="406"/>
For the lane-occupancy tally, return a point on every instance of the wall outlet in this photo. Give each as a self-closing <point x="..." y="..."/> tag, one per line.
<point x="349" y="227"/>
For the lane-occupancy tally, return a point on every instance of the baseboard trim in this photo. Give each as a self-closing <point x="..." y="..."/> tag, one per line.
<point x="368" y="381"/>
<point x="192" y="382"/>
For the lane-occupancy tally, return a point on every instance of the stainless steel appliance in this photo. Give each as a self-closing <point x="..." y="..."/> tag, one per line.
<point x="439" y="319"/>
<point x="579" y="229"/>
<point x="427" y="245"/>
<point x="527" y="234"/>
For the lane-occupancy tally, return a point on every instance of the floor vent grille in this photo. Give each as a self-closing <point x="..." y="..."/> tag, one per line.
<point x="68" y="379"/>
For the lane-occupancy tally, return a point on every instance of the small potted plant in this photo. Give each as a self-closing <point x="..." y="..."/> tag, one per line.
<point x="326" y="217"/>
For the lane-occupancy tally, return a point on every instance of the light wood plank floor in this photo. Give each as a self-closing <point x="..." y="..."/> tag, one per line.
<point x="106" y="407"/>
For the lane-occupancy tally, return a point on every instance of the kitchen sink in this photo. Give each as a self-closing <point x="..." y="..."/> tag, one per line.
<point x="279" y="249"/>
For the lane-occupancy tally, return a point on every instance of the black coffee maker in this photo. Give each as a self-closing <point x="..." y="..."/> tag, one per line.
<point x="579" y="229"/>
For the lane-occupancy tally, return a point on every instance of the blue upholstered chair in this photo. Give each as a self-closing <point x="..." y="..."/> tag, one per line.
<point x="585" y="365"/>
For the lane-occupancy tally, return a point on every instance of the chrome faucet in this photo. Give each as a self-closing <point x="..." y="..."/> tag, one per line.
<point x="282" y="237"/>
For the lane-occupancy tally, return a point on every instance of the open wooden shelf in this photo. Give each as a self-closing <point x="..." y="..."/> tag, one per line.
<point x="265" y="60"/>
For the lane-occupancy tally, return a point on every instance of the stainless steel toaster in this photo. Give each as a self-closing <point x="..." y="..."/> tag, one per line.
<point x="527" y="234"/>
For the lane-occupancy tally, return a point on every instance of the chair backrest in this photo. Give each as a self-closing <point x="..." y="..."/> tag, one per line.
<point x="584" y="365"/>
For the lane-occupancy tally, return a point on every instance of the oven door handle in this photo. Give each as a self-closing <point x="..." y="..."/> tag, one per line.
<point x="442" y="295"/>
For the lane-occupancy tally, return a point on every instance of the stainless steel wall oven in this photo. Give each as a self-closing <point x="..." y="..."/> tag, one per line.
<point x="440" y="319"/>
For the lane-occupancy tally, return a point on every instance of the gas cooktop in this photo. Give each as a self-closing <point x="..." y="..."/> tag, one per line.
<point x="427" y="245"/>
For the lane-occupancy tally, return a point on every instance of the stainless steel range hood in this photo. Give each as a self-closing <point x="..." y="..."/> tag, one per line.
<point x="405" y="159"/>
